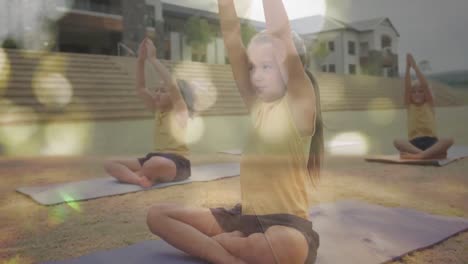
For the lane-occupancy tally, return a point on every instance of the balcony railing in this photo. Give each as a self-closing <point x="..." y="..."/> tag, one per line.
<point x="93" y="6"/>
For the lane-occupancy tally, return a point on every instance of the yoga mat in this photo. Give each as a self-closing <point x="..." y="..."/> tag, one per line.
<point x="350" y="232"/>
<point x="454" y="153"/>
<point x="108" y="186"/>
<point x="231" y="151"/>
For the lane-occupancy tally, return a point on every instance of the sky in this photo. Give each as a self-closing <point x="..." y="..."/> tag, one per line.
<point x="433" y="30"/>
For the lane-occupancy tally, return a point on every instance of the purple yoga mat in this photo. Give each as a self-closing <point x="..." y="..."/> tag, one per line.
<point x="350" y="232"/>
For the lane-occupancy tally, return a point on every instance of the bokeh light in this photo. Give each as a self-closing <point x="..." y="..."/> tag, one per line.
<point x="205" y="93"/>
<point x="349" y="143"/>
<point x="195" y="130"/>
<point x="53" y="90"/>
<point x="65" y="138"/>
<point x="49" y="83"/>
<point x="18" y="259"/>
<point x="300" y="8"/>
<point x="57" y="215"/>
<point x="4" y="71"/>
<point x="70" y="201"/>
<point x="18" y="125"/>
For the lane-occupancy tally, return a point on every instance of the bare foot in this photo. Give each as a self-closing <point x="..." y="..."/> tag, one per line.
<point x="223" y="236"/>
<point x="441" y="156"/>
<point x="224" y="239"/>
<point x="145" y="182"/>
<point x="410" y="156"/>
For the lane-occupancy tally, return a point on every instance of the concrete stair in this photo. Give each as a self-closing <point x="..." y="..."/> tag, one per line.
<point x="40" y="86"/>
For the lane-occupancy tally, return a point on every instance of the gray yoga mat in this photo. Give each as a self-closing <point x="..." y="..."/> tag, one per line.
<point x="108" y="186"/>
<point x="350" y="232"/>
<point x="454" y="153"/>
<point x="231" y="152"/>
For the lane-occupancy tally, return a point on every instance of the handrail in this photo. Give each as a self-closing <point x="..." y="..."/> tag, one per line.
<point x="121" y="45"/>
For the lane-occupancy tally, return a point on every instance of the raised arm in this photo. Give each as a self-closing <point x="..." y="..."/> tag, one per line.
<point x="299" y="87"/>
<point x="142" y="92"/>
<point x="422" y="81"/>
<point x="230" y="28"/>
<point x="408" y="80"/>
<point x="169" y="81"/>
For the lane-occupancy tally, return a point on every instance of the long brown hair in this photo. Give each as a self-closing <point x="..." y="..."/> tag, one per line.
<point x="317" y="148"/>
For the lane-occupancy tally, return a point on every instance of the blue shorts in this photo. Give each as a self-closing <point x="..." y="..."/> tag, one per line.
<point x="423" y="143"/>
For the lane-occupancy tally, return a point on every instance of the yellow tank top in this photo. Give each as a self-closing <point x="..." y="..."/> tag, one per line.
<point x="421" y="121"/>
<point x="169" y="134"/>
<point x="274" y="177"/>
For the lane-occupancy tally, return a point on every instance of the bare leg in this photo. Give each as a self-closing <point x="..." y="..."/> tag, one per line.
<point x="124" y="170"/>
<point x="405" y="147"/>
<point x="279" y="244"/>
<point x="190" y="230"/>
<point x="437" y="151"/>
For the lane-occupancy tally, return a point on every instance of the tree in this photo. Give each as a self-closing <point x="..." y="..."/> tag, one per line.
<point x="10" y="43"/>
<point x="199" y="32"/>
<point x="319" y="51"/>
<point x="247" y="32"/>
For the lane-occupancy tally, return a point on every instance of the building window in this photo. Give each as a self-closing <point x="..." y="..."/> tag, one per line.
<point x="364" y="49"/>
<point x="331" y="68"/>
<point x="331" y="46"/>
<point x="351" y="48"/>
<point x="352" y="69"/>
<point x="101" y="6"/>
<point x="149" y="16"/>
<point x="167" y="48"/>
<point x="324" y="68"/>
<point x="386" y="42"/>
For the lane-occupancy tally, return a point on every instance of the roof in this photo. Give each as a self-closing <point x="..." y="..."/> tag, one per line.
<point x="316" y="24"/>
<point x="304" y="26"/>
<point x="370" y="24"/>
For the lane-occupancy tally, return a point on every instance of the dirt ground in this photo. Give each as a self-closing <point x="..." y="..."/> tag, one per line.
<point x="33" y="233"/>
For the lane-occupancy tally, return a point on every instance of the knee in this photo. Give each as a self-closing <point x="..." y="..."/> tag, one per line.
<point x="109" y="165"/>
<point x="449" y="141"/>
<point x="155" y="164"/>
<point x="156" y="215"/>
<point x="259" y="248"/>
<point x="289" y="245"/>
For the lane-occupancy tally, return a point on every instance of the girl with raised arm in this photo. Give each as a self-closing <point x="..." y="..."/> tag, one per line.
<point x="422" y="142"/>
<point x="272" y="223"/>
<point x="172" y="105"/>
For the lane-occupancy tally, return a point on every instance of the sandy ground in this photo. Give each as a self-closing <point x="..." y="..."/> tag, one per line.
<point x="32" y="233"/>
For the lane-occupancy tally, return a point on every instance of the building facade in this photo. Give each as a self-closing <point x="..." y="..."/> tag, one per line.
<point x="115" y="27"/>
<point x="361" y="47"/>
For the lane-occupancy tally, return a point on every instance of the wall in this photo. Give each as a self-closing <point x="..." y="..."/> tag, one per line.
<point x="351" y="59"/>
<point x="385" y="29"/>
<point x="335" y="57"/>
<point x="358" y="132"/>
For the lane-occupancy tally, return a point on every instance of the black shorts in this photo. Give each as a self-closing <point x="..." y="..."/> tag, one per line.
<point x="423" y="143"/>
<point x="183" y="167"/>
<point x="232" y="220"/>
